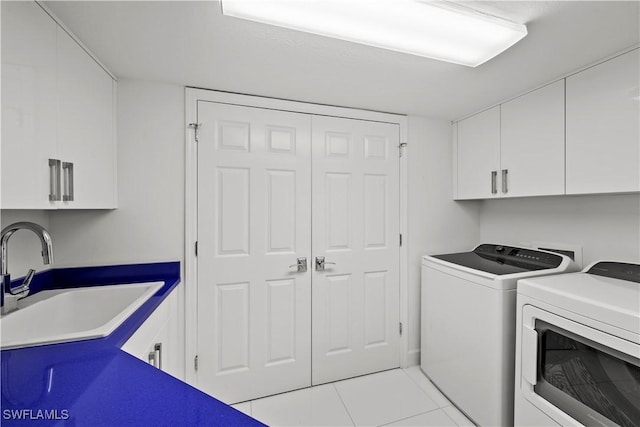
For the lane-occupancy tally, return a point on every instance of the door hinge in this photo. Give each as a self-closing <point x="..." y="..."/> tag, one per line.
<point x="400" y="328"/>
<point x="401" y="147"/>
<point x="401" y="240"/>
<point x="195" y="362"/>
<point x="196" y="128"/>
<point x="196" y="248"/>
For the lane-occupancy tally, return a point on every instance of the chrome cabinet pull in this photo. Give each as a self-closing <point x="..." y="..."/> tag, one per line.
<point x="301" y="265"/>
<point x="320" y="263"/>
<point x="494" y="185"/>
<point x="152" y="358"/>
<point x="68" y="181"/>
<point x="505" y="188"/>
<point x="158" y="354"/>
<point x="54" y="180"/>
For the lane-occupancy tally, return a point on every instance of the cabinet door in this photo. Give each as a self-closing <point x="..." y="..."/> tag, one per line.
<point x="28" y="105"/>
<point x="85" y="126"/>
<point x="603" y="138"/>
<point x="532" y="143"/>
<point x="478" y="154"/>
<point x="160" y="328"/>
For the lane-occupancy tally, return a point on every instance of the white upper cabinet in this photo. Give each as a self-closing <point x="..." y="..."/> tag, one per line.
<point x="603" y="139"/>
<point x="532" y="143"/>
<point x="28" y="105"/>
<point x="479" y="155"/>
<point x="58" y="147"/>
<point x="515" y="149"/>
<point x="578" y="135"/>
<point x="85" y="128"/>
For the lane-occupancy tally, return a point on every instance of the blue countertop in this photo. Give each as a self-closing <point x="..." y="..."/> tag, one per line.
<point x="93" y="382"/>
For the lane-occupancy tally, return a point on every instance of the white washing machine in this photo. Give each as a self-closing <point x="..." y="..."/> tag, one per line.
<point x="468" y="324"/>
<point x="578" y="348"/>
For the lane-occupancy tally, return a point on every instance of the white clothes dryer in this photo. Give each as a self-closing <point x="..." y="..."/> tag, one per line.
<point x="468" y="324"/>
<point x="578" y="348"/>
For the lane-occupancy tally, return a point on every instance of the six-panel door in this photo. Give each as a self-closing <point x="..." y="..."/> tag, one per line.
<point x="255" y="332"/>
<point x="355" y="227"/>
<point x="254" y="221"/>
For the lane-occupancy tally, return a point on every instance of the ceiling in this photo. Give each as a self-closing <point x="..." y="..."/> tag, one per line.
<point x="192" y="44"/>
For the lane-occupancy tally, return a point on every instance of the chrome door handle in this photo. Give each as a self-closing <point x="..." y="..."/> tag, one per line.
<point x="505" y="188"/>
<point x="54" y="180"/>
<point x="320" y="263"/>
<point x="494" y="177"/>
<point x="301" y="265"/>
<point x="67" y="169"/>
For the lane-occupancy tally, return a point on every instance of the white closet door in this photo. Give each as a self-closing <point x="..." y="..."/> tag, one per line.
<point x="254" y="220"/>
<point x="356" y="226"/>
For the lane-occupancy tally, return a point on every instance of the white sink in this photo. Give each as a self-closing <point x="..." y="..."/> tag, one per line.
<point x="73" y="314"/>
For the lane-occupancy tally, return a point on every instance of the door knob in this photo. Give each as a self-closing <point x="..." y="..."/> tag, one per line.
<point x="301" y="265"/>
<point x="320" y="263"/>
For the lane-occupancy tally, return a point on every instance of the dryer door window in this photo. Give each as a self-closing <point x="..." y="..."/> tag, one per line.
<point x="594" y="384"/>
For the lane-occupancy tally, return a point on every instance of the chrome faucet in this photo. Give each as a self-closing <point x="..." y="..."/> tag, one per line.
<point x="9" y="295"/>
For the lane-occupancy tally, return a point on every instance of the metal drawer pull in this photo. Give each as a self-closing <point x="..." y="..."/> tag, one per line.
<point x="494" y="178"/>
<point x="158" y="351"/>
<point x="54" y="180"/>
<point x="301" y="265"/>
<point x="505" y="188"/>
<point x="320" y="263"/>
<point x="67" y="168"/>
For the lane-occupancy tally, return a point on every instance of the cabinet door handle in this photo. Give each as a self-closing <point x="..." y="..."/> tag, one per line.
<point x="505" y="187"/>
<point x="157" y="349"/>
<point x="152" y="358"/>
<point x="494" y="185"/>
<point x="54" y="180"/>
<point x="68" y="181"/>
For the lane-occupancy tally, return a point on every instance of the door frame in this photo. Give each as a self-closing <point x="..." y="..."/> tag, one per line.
<point x="192" y="96"/>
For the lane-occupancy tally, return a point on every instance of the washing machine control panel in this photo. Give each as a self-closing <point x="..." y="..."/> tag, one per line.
<point x="519" y="256"/>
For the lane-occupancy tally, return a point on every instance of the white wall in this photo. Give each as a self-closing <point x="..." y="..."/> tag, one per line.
<point x="436" y="223"/>
<point x="148" y="225"/>
<point x="606" y="226"/>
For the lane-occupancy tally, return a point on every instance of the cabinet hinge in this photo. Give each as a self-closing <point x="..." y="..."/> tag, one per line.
<point x="195" y="362"/>
<point x="196" y="128"/>
<point x="400" y="328"/>
<point x="401" y="240"/>
<point x="401" y="147"/>
<point x="196" y="248"/>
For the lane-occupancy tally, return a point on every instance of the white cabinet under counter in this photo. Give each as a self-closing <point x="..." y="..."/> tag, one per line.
<point x="156" y="341"/>
<point x="58" y="116"/>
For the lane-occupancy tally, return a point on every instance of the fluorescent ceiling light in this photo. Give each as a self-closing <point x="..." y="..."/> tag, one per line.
<point x="433" y="29"/>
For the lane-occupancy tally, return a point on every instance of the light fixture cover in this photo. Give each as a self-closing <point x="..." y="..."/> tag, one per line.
<point x="434" y="29"/>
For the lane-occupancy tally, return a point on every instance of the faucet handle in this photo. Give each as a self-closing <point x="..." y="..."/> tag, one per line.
<point x="22" y="290"/>
<point x="28" y="278"/>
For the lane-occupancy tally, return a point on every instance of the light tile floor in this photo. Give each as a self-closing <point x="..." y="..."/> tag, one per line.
<point x="400" y="397"/>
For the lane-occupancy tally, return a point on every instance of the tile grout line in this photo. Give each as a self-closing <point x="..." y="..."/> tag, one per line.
<point x="447" y="415"/>
<point x="417" y="415"/>
<point x="420" y="388"/>
<point x="333" y="384"/>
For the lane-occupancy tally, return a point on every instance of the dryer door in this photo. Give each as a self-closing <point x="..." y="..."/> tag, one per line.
<point x="572" y="371"/>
